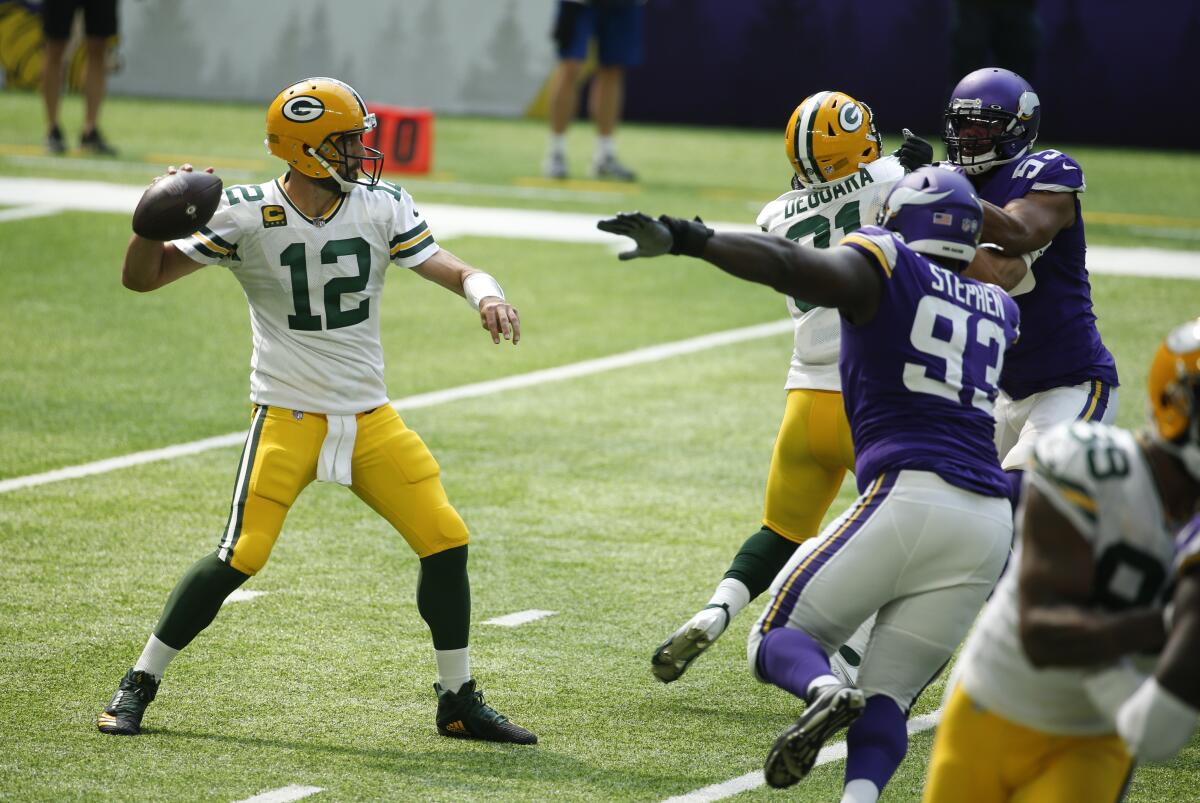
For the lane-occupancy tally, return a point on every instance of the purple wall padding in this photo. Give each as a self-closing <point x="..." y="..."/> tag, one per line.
<point x="1108" y="71"/>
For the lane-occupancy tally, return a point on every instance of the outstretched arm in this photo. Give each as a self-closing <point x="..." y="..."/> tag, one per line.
<point x="1028" y="223"/>
<point x="482" y="291"/>
<point x="833" y="277"/>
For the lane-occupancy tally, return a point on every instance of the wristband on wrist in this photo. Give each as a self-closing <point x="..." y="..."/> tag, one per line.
<point x="688" y="237"/>
<point x="478" y="286"/>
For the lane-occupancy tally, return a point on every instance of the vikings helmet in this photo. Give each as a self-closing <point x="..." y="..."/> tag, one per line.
<point x="828" y="136"/>
<point x="937" y="213"/>
<point x="1174" y="385"/>
<point x="992" y="119"/>
<point x="307" y="125"/>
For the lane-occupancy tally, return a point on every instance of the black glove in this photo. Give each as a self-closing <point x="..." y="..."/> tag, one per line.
<point x="667" y="235"/>
<point x="914" y="153"/>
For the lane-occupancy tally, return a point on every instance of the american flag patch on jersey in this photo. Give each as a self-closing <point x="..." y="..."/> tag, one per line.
<point x="942" y="218"/>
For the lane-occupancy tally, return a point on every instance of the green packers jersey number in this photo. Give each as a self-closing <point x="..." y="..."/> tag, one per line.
<point x="821" y="228"/>
<point x="295" y="259"/>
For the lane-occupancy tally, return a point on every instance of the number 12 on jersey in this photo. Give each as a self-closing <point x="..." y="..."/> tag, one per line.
<point x="296" y="260"/>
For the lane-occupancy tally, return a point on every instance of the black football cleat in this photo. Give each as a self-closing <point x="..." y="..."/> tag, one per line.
<point x="464" y="715"/>
<point x="123" y="714"/>
<point x="95" y="144"/>
<point x="795" y="751"/>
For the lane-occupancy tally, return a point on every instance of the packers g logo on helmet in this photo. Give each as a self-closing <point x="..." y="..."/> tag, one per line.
<point x="829" y="136"/>
<point x="309" y="124"/>
<point x="303" y="109"/>
<point x="1174" y="389"/>
<point x="849" y="117"/>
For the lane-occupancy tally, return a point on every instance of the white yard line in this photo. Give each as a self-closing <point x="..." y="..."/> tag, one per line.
<point x="534" y="224"/>
<point x="26" y="212"/>
<point x="571" y="371"/>
<point x="753" y="780"/>
<point x="519" y="618"/>
<point x="242" y="595"/>
<point x="283" y="794"/>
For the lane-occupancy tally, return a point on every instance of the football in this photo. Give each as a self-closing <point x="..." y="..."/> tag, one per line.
<point x="177" y="205"/>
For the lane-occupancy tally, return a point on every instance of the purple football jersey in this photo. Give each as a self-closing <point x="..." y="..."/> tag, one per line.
<point x="1060" y="345"/>
<point x="919" y="379"/>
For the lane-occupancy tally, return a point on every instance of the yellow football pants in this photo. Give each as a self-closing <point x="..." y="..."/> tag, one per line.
<point x="813" y="452"/>
<point x="981" y="757"/>
<point x="392" y="470"/>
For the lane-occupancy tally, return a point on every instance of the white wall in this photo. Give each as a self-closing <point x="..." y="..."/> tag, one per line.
<point x="458" y="56"/>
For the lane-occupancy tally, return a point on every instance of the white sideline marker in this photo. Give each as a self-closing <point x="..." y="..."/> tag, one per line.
<point x="283" y="794"/>
<point x="519" y="618"/>
<point x="626" y="359"/>
<point x="25" y="212"/>
<point x="242" y="595"/>
<point x="753" y="780"/>
<point x="450" y="220"/>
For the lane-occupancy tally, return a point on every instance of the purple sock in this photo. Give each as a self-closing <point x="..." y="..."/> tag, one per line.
<point x="791" y="659"/>
<point x="1015" y="476"/>
<point x="876" y="742"/>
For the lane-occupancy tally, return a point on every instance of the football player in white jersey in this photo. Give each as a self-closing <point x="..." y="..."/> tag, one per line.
<point x="310" y="250"/>
<point x="839" y="183"/>
<point x="1031" y="713"/>
<point x="1161" y="715"/>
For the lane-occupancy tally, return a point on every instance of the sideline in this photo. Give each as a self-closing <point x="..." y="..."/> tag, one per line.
<point x="448" y="220"/>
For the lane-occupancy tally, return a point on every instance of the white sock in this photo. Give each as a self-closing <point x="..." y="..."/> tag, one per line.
<point x="732" y="593"/>
<point x="820" y="682"/>
<point x="558" y="145"/>
<point x="860" y="790"/>
<point x="155" y="658"/>
<point x="454" y="668"/>
<point x="605" y="147"/>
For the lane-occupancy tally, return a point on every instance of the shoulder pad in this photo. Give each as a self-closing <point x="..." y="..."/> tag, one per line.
<point x="775" y="211"/>
<point x="1050" y="171"/>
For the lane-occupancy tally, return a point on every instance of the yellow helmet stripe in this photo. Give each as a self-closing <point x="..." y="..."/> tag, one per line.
<point x="808" y="118"/>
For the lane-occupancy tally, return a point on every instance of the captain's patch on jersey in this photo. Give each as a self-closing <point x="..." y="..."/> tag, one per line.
<point x="273" y="215"/>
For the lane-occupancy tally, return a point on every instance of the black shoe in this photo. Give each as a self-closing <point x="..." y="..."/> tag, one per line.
<point x="54" y="141"/>
<point x="123" y="715"/>
<point x="95" y="143"/>
<point x="464" y="715"/>
<point x="795" y="751"/>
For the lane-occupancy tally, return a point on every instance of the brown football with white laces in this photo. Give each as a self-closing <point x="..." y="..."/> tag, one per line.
<point x="176" y="206"/>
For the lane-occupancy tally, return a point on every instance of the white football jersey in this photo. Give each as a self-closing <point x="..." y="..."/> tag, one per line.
<point x="314" y="287"/>
<point x="820" y="216"/>
<point x="1097" y="477"/>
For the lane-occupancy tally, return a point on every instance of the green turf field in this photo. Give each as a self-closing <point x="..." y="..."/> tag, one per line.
<point x="615" y="499"/>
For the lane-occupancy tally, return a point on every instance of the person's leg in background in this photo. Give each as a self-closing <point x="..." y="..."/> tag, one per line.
<point x="100" y="21"/>
<point x="572" y="33"/>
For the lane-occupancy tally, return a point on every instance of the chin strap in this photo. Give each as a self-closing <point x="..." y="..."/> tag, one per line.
<point x="341" y="182"/>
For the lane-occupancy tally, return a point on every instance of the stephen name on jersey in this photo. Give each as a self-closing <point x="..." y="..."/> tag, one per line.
<point x="983" y="297"/>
